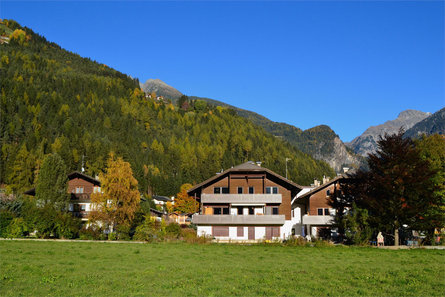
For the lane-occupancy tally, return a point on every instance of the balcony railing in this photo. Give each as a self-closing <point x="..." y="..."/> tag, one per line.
<point x="317" y="220"/>
<point x="238" y="219"/>
<point x="241" y="198"/>
<point x="80" y="197"/>
<point x="81" y="214"/>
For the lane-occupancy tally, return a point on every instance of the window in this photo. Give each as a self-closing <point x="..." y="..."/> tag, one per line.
<point x="271" y="190"/>
<point x="251" y="190"/>
<point x="221" y="210"/>
<point x="240" y="190"/>
<point x="251" y="210"/>
<point x="326" y="211"/>
<point x="82" y="207"/>
<point x="79" y="190"/>
<point x="320" y="211"/>
<point x="220" y="190"/>
<point x="240" y="231"/>
<point x="328" y="192"/>
<point x="240" y="210"/>
<point x="274" y="210"/>
<point x="96" y="190"/>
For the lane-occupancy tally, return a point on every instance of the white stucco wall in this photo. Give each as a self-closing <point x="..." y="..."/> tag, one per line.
<point x="204" y="230"/>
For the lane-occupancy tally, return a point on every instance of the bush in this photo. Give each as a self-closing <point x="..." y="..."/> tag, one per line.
<point x="123" y="232"/>
<point x="151" y="230"/>
<point x="6" y="218"/>
<point x="189" y="235"/>
<point x="91" y="232"/>
<point x="17" y="228"/>
<point x="67" y="226"/>
<point x="112" y="236"/>
<point x="295" y="241"/>
<point x="173" y="230"/>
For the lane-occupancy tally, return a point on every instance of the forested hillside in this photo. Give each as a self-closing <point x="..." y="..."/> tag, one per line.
<point x="53" y="100"/>
<point x="320" y="142"/>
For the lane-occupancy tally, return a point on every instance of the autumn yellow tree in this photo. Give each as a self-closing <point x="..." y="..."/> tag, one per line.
<point x="120" y="198"/>
<point x="184" y="203"/>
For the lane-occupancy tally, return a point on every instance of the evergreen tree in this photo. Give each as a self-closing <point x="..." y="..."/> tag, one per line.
<point x="52" y="183"/>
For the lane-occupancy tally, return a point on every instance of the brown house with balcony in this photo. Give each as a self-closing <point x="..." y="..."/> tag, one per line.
<point x="316" y="212"/>
<point x="80" y="186"/>
<point x="246" y="202"/>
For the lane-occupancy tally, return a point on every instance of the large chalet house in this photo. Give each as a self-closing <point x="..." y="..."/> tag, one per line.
<point x="249" y="202"/>
<point x="246" y="202"/>
<point x="80" y="187"/>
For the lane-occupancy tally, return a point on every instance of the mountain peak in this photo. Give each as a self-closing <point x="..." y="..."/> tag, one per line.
<point x="410" y="113"/>
<point x="160" y="88"/>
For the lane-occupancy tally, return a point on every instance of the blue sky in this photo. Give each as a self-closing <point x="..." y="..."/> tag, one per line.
<point x="350" y="64"/>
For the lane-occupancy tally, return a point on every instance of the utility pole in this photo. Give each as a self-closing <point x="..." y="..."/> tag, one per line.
<point x="287" y="159"/>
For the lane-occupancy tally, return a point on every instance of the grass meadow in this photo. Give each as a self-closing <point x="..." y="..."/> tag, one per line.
<point x="36" y="268"/>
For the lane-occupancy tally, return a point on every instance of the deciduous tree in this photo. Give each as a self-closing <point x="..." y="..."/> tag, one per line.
<point x="120" y="199"/>
<point x="398" y="190"/>
<point x="184" y="203"/>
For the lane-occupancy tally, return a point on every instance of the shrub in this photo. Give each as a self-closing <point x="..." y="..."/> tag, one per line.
<point x="112" y="236"/>
<point x="189" y="235"/>
<point x="67" y="226"/>
<point x="151" y="230"/>
<point x="322" y="243"/>
<point x="6" y="218"/>
<point x="17" y="228"/>
<point x="91" y="232"/>
<point x="123" y="232"/>
<point x="295" y="241"/>
<point x="173" y="230"/>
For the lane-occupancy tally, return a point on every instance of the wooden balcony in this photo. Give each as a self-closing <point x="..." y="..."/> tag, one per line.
<point x="84" y="197"/>
<point x="243" y="199"/>
<point x="318" y="220"/>
<point x="238" y="219"/>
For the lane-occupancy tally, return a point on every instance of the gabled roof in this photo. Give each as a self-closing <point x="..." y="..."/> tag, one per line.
<point x="245" y="167"/>
<point x="321" y="187"/>
<point x="72" y="175"/>
<point x="77" y="174"/>
<point x="162" y="198"/>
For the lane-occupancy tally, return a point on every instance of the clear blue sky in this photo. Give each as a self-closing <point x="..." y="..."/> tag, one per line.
<point x="348" y="64"/>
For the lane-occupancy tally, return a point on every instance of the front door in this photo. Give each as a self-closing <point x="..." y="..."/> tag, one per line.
<point x="251" y="233"/>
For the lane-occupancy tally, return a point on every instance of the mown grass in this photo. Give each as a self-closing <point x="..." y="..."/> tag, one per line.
<point x="32" y="268"/>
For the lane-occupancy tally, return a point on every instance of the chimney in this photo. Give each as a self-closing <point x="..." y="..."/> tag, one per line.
<point x="258" y="163"/>
<point x="316" y="182"/>
<point x="325" y="179"/>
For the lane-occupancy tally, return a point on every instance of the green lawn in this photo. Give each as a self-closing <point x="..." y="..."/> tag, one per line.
<point x="33" y="268"/>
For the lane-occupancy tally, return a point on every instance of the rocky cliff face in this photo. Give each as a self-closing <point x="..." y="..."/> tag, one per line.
<point x="160" y="88"/>
<point x="367" y="142"/>
<point x="431" y="125"/>
<point x="340" y="156"/>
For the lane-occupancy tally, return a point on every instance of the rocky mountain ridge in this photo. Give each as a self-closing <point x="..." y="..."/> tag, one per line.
<point x="367" y="142"/>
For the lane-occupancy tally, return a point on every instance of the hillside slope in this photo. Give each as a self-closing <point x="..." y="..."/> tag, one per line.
<point x="320" y="142"/>
<point x="54" y="101"/>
